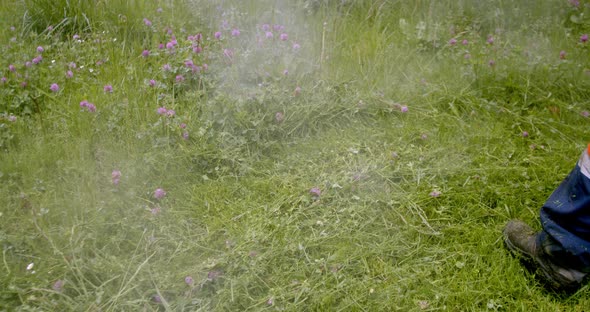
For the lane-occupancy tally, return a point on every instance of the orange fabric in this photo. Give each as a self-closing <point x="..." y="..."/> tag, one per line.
<point x="588" y="150"/>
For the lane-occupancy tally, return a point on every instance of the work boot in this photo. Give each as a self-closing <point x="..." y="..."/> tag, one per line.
<point x="521" y="239"/>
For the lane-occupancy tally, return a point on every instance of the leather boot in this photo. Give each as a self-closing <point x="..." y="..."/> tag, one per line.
<point x="521" y="239"/>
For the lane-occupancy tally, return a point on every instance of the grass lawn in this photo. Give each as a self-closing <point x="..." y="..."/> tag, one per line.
<point x="308" y="155"/>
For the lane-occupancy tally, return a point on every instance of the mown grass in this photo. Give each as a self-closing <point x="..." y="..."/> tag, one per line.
<point x="412" y="202"/>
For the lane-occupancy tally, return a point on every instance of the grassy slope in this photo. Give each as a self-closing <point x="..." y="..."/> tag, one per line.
<point x="238" y="203"/>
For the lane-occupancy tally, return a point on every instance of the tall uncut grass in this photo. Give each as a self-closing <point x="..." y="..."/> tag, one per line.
<point x="283" y="155"/>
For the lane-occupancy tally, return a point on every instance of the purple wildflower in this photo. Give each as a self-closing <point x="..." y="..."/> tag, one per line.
<point x="525" y="134"/>
<point x="76" y="37"/>
<point x="28" y="64"/>
<point x="145" y="53"/>
<point x="315" y="192"/>
<point x="179" y="78"/>
<point x="147" y="22"/>
<point x="152" y="83"/>
<point x="162" y="111"/>
<point x="37" y="59"/>
<point x="213" y="275"/>
<point x="464" y="42"/>
<point x="217" y="35"/>
<point x="108" y="89"/>
<point x="435" y="194"/>
<point x="453" y="41"/>
<point x="490" y="39"/>
<point x="185" y="135"/>
<point x="116" y="177"/>
<point x="166" y="67"/>
<point x="585" y="114"/>
<point x="279" y="117"/>
<point x="170" y="113"/>
<point x="404" y="109"/>
<point x="235" y="32"/>
<point x="69" y="74"/>
<point x="269" y="35"/>
<point x="296" y="46"/>
<point x="11" y="68"/>
<point x="91" y="108"/>
<point x="3" y="80"/>
<point x="58" y="286"/>
<point x="159" y="193"/>
<point x="284" y="37"/>
<point x="584" y="38"/>
<point x="188" y="280"/>
<point x="562" y="55"/>
<point x="54" y="87"/>
<point x="228" y="53"/>
<point x="12" y="118"/>
<point x="40" y="49"/>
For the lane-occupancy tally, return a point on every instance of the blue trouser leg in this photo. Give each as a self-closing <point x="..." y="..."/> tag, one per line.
<point x="565" y="218"/>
